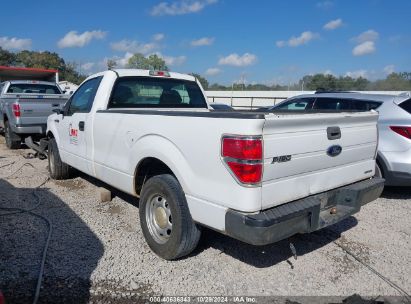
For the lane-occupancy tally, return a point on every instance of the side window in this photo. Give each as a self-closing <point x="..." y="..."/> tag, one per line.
<point x="406" y="105"/>
<point x="330" y="104"/>
<point x="82" y="99"/>
<point x="365" y="105"/>
<point x="341" y="104"/>
<point x="298" y="104"/>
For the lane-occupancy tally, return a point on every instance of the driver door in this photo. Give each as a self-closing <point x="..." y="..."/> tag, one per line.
<point x="75" y="126"/>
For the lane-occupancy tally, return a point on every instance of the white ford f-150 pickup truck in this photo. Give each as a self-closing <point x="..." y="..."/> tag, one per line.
<point x="258" y="177"/>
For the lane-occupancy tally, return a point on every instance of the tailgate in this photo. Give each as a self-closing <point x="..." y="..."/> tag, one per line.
<point x="305" y="155"/>
<point x="36" y="109"/>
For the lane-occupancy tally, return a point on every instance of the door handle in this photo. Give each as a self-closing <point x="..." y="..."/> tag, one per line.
<point x="81" y="125"/>
<point x="333" y="133"/>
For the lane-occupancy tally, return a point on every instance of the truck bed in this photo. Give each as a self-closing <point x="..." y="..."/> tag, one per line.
<point x="301" y="137"/>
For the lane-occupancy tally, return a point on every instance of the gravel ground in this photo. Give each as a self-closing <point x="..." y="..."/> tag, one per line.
<point x="97" y="252"/>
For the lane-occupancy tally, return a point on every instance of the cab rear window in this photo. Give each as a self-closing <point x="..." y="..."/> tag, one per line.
<point x="406" y="105"/>
<point x="153" y="92"/>
<point x="33" y="88"/>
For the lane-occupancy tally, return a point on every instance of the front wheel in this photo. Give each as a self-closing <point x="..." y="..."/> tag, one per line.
<point x="57" y="169"/>
<point x="13" y="141"/>
<point x="165" y="218"/>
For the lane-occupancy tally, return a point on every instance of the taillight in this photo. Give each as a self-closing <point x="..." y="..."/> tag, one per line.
<point x="404" y="131"/>
<point x="244" y="158"/>
<point x="242" y="148"/>
<point x="16" y="110"/>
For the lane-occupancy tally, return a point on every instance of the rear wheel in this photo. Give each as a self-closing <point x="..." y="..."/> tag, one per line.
<point x="13" y="141"/>
<point x="165" y="218"/>
<point x="57" y="169"/>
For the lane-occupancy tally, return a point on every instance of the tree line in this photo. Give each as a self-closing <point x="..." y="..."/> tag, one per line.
<point x="392" y="82"/>
<point x="46" y="60"/>
<point x="70" y="71"/>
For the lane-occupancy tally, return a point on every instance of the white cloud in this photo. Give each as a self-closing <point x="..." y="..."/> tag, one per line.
<point x="304" y="38"/>
<point x="14" y="43"/>
<point x="369" y="35"/>
<point x="174" y="61"/>
<point x="367" y="47"/>
<point x="328" y="72"/>
<point x="213" y="71"/>
<point x="325" y="4"/>
<point x="73" y="39"/>
<point x="281" y="43"/>
<point x="237" y="60"/>
<point x="134" y="46"/>
<point x="395" y="38"/>
<point x="87" y="66"/>
<point x="180" y="7"/>
<point x="203" y="41"/>
<point x="333" y="24"/>
<point x="389" y="69"/>
<point x="357" y="74"/>
<point x="121" y="62"/>
<point x="159" y="37"/>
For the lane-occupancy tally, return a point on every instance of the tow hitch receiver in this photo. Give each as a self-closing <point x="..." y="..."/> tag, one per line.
<point x="40" y="147"/>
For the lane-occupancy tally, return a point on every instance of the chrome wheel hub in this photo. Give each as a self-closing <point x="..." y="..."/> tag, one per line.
<point x="158" y="218"/>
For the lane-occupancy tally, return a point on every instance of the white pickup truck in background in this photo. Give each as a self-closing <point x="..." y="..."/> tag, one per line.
<point x="258" y="177"/>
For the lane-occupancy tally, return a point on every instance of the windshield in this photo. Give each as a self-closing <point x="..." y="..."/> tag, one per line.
<point x="150" y="92"/>
<point x="33" y="88"/>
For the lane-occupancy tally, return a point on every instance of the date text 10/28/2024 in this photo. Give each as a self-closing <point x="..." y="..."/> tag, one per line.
<point x="202" y="299"/>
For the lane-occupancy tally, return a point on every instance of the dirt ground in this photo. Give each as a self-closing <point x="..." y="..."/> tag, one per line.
<point x="97" y="253"/>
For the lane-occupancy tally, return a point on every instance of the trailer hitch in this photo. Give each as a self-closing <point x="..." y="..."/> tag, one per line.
<point x="40" y="148"/>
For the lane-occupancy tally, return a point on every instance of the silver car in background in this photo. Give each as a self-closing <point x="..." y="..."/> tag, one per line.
<point x="394" y="125"/>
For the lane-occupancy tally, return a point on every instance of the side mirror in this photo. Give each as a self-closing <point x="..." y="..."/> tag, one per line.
<point x="58" y="111"/>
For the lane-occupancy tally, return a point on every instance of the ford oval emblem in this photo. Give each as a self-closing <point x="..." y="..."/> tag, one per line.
<point x="334" y="150"/>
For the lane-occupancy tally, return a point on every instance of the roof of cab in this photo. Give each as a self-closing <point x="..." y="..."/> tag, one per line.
<point x="146" y="73"/>
<point x="31" y="82"/>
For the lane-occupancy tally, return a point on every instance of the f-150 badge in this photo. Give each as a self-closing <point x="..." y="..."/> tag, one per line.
<point x="281" y="159"/>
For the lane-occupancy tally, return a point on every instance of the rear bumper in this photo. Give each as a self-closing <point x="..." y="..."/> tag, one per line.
<point x="302" y="216"/>
<point x="29" y="128"/>
<point x="402" y="179"/>
<point x="396" y="167"/>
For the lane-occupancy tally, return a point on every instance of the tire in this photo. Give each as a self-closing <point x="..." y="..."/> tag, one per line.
<point x="165" y="218"/>
<point x="13" y="141"/>
<point x="57" y="169"/>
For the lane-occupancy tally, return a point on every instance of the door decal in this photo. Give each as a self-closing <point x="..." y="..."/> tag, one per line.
<point x="73" y="133"/>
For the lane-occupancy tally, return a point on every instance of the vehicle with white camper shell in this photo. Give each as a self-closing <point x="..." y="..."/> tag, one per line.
<point x="24" y="108"/>
<point x="257" y="177"/>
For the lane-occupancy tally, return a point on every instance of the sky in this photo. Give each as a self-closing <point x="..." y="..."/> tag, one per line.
<point x="260" y="41"/>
